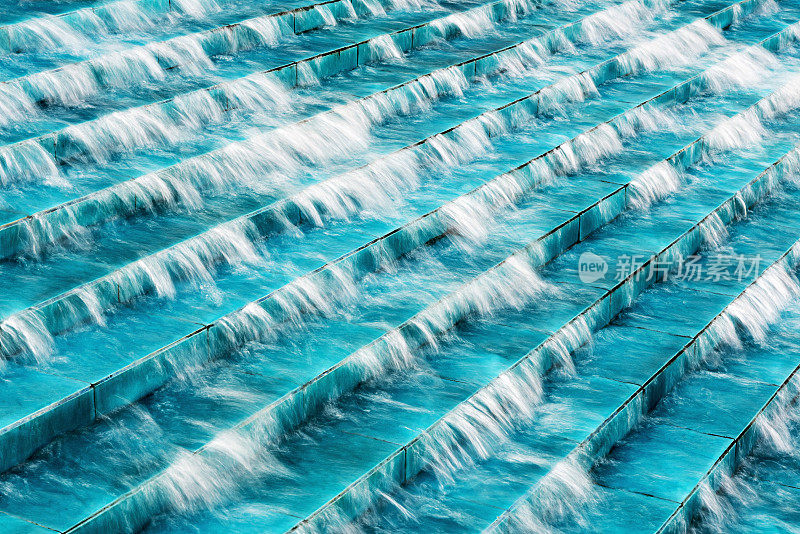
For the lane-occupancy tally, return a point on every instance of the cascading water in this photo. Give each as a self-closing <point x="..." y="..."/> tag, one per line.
<point x="401" y="265"/>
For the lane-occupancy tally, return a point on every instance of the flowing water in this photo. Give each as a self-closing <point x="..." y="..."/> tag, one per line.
<point x="399" y="265"/>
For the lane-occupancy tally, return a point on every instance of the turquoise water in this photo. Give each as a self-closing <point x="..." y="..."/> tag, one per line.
<point x="325" y="267"/>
